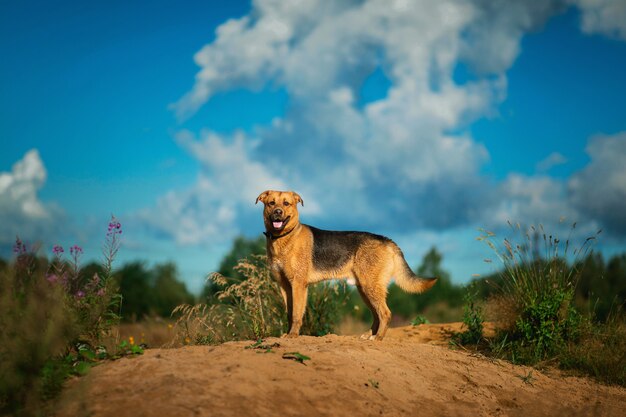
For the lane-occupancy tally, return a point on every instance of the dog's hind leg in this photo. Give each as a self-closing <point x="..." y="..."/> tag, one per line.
<point x="369" y="305"/>
<point x="374" y="294"/>
<point x="378" y="298"/>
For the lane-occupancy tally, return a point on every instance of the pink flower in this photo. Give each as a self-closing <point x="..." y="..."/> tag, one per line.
<point x="76" y="250"/>
<point x="19" y="248"/>
<point x="115" y="227"/>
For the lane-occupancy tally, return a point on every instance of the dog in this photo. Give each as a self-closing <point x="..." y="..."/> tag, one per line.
<point x="299" y="255"/>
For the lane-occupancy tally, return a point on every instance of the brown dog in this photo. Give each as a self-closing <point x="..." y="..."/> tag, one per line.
<point x="299" y="255"/>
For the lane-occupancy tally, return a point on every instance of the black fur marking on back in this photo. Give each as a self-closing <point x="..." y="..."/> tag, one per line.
<point x="333" y="249"/>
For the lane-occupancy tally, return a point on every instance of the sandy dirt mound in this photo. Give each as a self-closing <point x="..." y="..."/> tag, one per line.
<point x="412" y="372"/>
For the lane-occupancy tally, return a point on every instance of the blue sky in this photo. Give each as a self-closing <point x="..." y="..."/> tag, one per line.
<point x="422" y="121"/>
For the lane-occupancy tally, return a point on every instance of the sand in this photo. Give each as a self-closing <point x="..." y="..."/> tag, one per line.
<point x="413" y="372"/>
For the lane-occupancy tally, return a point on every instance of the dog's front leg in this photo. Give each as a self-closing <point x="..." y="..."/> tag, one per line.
<point x="285" y="291"/>
<point x="298" y="305"/>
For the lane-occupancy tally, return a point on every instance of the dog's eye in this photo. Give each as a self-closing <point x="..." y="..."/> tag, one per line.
<point x="272" y="203"/>
<point x="286" y="203"/>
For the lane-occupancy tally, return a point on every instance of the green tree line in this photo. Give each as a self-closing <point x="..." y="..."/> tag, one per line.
<point x="146" y="291"/>
<point x="157" y="290"/>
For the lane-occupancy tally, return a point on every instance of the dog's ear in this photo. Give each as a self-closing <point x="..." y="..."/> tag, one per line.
<point x="262" y="197"/>
<point x="298" y="198"/>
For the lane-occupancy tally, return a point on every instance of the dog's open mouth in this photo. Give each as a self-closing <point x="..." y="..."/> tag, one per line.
<point x="279" y="224"/>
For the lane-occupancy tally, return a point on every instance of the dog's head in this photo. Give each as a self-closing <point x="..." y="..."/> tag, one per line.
<point x="280" y="214"/>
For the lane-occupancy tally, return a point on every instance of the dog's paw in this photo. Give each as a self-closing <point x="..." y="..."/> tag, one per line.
<point x="366" y="335"/>
<point x="289" y="335"/>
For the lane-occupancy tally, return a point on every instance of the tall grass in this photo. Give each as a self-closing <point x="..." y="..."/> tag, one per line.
<point x="534" y="305"/>
<point x="252" y="307"/>
<point x="36" y="326"/>
<point x="539" y="263"/>
<point x="53" y="321"/>
<point x="538" y="285"/>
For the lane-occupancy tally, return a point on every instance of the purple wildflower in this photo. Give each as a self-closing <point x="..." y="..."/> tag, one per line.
<point x="76" y="250"/>
<point x="52" y="278"/>
<point x="101" y="292"/>
<point x="19" y="248"/>
<point x="115" y="227"/>
<point x="80" y="294"/>
<point x="57" y="250"/>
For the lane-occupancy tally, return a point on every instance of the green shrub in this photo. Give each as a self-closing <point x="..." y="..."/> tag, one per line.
<point x="473" y="319"/>
<point x="539" y="285"/>
<point x="419" y="320"/>
<point x="544" y="326"/>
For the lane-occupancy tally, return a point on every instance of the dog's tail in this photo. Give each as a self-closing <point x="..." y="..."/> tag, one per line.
<point x="406" y="279"/>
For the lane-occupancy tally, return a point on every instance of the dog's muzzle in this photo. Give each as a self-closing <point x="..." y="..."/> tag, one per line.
<point x="278" y="221"/>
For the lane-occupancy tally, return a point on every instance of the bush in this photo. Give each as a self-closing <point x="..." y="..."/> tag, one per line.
<point x="473" y="320"/>
<point x="53" y="319"/>
<point x="253" y="308"/>
<point x="539" y="286"/>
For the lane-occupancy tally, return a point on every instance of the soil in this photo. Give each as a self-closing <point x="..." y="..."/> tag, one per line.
<point x="412" y="372"/>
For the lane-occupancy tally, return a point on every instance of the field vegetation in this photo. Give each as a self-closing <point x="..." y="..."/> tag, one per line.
<point x="554" y="302"/>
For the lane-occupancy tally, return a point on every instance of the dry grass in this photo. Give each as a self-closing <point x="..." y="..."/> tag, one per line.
<point x="441" y="312"/>
<point x="600" y="352"/>
<point x="502" y="311"/>
<point x="250" y="308"/>
<point x="253" y="308"/>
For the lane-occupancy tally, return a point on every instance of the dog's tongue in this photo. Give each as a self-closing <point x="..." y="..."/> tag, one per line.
<point x="277" y="225"/>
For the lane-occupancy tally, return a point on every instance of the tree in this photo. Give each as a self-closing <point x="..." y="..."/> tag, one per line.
<point x="137" y="295"/>
<point x="147" y="292"/>
<point x="169" y="292"/>
<point x="444" y="290"/>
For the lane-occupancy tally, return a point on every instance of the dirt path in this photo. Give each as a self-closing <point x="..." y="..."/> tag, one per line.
<point x="411" y="373"/>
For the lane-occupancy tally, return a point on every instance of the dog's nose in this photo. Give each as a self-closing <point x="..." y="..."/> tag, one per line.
<point x="278" y="212"/>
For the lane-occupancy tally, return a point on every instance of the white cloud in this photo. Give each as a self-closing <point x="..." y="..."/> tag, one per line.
<point x="532" y="200"/>
<point x="407" y="155"/>
<point x="552" y="160"/>
<point x="21" y="210"/>
<point x="596" y="194"/>
<point x="607" y="17"/>
<point x="599" y="190"/>
<point x="396" y="149"/>
<point x="492" y="42"/>
<point x="227" y="182"/>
